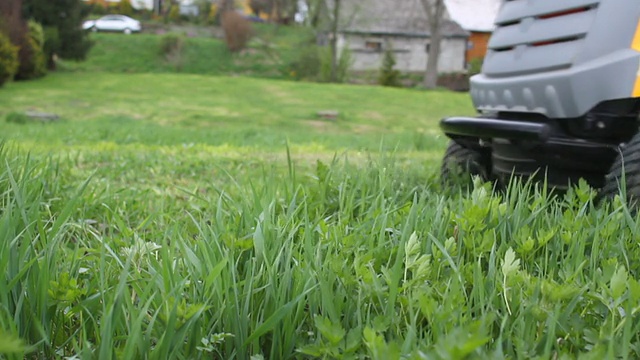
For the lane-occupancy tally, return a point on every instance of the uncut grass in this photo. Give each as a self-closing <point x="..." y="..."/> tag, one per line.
<point x="336" y="260"/>
<point x="192" y="242"/>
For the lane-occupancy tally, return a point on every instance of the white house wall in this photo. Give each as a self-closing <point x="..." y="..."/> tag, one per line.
<point x="137" y="4"/>
<point x="410" y="53"/>
<point x="142" y="4"/>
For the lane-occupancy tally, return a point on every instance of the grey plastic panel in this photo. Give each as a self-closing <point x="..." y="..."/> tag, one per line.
<point x="558" y="94"/>
<point x="531" y="32"/>
<point x="518" y="9"/>
<point x="526" y="59"/>
<point x="561" y="66"/>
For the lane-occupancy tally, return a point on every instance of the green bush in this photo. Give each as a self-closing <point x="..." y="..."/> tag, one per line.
<point x="36" y="33"/>
<point x="174" y="13"/>
<point x="345" y="59"/>
<point x="51" y="43"/>
<point x="388" y="75"/>
<point x="98" y="9"/>
<point x="475" y="66"/>
<point x="144" y="14"/>
<point x="32" y="58"/>
<point x="171" y="48"/>
<point x="70" y="40"/>
<point x="125" y="8"/>
<point x="212" y="16"/>
<point x="307" y="65"/>
<point x="8" y="59"/>
<point x="170" y="43"/>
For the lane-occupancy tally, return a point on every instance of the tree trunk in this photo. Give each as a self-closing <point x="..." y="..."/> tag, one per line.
<point x="333" y="40"/>
<point x="277" y="11"/>
<point x="435" y="11"/>
<point x="11" y="22"/>
<point x="431" y="74"/>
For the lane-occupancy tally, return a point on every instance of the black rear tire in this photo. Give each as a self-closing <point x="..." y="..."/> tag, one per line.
<point x="627" y="163"/>
<point x="460" y="164"/>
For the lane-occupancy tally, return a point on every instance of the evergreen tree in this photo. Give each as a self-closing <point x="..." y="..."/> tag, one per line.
<point x="62" y="23"/>
<point x="388" y="75"/>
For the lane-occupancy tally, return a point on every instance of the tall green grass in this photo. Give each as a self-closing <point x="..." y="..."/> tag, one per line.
<point x="170" y="217"/>
<point x="336" y="260"/>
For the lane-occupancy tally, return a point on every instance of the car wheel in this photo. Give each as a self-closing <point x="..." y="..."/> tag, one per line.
<point x="127" y="31"/>
<point x="94" y="29"/>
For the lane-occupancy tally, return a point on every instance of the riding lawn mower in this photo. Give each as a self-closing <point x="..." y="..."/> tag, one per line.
<point x="558" y="97"/>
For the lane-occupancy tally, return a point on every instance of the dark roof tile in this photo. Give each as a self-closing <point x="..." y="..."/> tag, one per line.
<point x="391" y="17"/>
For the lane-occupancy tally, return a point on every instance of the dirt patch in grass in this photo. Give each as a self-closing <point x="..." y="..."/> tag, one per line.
<point x="374" y="115"/>
<point x="364" y="129"/>
<point x="320" y="125"/>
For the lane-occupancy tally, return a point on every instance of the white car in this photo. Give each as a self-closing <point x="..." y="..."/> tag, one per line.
<point x="119" y="23"/>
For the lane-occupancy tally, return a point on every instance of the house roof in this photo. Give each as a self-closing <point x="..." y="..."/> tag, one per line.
<point x="405" y="17"/>
<point x="474" y="15"/>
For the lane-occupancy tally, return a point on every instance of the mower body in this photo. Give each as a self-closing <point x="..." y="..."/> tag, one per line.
<point x="559" y="91"/>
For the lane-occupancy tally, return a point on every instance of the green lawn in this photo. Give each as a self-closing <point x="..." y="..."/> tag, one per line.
<point x="195" y="217"/>
<point x="174" y="110"/>
<point x="269" y="54"/>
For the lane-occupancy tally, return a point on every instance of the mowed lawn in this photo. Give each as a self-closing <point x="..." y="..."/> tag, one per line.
<point x="173" y="216"/>
<point x="202" y="118"/>
<point x="167" y="109"/>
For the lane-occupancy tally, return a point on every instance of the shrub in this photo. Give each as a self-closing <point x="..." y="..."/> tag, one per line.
<point x="307" y="65"/>
<point x="170" y="42"/>
<point x="17" y="31"/>
<point x="51" y="43"/>
<point x="8" y="59"/>
<point x="212" y="16"/>
<point x="475" y="66"/>
<point x="174" y="13"/>
<point x="36" y="33"/>
<point x="237" y="30"/>
<point x="68" y="40"/>
<point x="125" y="8"/>
<point x="144" y="14"/>
<point x="33" y="63"/>
<point x="98" y="9"/>
<point x="171" y="48"/>
<point x="345" y="59"/>
<point x="113" y="8"/>
<point x="388" y="75"/>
